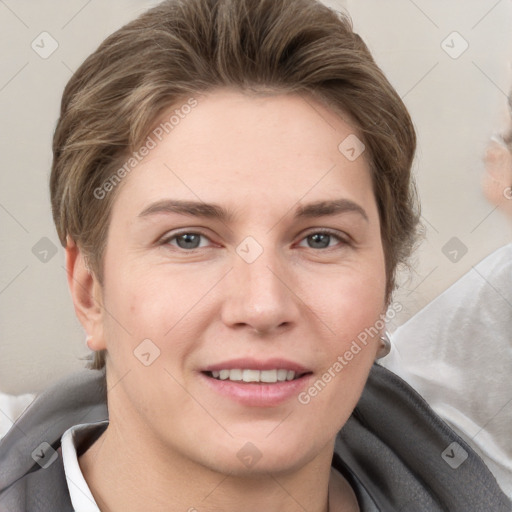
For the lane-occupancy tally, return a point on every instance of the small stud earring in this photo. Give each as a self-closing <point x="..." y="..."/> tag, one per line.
<point x="385" y="346"/>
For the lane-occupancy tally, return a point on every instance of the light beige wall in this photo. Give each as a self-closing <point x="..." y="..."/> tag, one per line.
<point x="457" y="102"/>
<point x="456" y="105"/>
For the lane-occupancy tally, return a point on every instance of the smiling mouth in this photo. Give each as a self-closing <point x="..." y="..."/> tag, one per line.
<point x="248" y="376"/>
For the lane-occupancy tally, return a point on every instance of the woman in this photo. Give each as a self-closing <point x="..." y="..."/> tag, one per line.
<point x="231" y="181"/>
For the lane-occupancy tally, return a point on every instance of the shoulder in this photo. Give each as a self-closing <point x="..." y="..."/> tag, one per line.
<point x="32" y="473"/>
<point x="403" y="456"/>
<point x="39" y="490"/>
<point x="12" y="406"/>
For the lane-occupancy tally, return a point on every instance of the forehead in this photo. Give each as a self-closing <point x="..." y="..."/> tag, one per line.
<point x="240" y="146"/>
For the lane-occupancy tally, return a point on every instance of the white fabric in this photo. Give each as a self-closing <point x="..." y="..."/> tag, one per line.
<point x="81" y="496"/>
<point x="11" y="408"/>
<point x="457" y="353"/>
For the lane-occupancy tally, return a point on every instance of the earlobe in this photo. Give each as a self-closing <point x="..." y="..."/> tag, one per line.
<point x="86" y="294"/>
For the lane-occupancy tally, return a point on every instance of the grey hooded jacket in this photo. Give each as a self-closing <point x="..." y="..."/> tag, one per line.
<point x="398" y="455"/>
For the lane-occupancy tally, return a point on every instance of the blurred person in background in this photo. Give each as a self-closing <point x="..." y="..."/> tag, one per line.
<point x="457" y="351"/>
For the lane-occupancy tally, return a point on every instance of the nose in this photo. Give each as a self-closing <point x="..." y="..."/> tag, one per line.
<point x="260" y="296"/>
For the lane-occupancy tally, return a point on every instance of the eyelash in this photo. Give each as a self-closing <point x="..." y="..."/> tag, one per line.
<point x="343" y="241"/>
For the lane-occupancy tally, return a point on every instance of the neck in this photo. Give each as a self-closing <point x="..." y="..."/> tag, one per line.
<point x="146" y="477"/>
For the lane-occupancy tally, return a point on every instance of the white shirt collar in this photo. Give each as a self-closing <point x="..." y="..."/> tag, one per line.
<point x="79" y="492"/>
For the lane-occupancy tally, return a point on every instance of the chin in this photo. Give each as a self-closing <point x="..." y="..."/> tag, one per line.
<point x="245" y="457"/>
<point x="262" y="467"/>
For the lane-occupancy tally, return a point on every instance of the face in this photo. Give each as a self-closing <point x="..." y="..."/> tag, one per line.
<point x="497" y="179"/>
<point x="245" y="245"/>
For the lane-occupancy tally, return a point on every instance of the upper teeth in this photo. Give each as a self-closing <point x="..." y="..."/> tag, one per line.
<point x="255" y="375"/>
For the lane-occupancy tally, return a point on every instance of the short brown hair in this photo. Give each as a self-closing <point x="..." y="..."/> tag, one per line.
<point x="185" y="47"/>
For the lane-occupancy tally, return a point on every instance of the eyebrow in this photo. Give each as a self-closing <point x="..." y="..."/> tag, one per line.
<point x="215" y="211"/>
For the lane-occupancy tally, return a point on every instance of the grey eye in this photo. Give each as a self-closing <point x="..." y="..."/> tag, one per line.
<point x="188" y="240"/>
<point x="319" y="240"/>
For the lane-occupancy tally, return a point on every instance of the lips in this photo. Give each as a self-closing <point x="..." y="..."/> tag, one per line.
<point x="252" y="370"/>
<point x="257" y="383"/>
<point x="255" y="364"/>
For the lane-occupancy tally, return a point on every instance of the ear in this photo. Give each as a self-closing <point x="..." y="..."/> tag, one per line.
<point x="86" y="293"/>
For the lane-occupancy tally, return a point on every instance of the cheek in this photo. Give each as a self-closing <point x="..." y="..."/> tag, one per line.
<point x="498" y="175"/>
<point x="354" y="314"/>
<point x="134" y="312"/>
<point x="352" y="307"/>
<point x="152" y="305"/>
<point x="357" y="324"/>
<point x="352" y="298"/>
<point x="143" y="299"/>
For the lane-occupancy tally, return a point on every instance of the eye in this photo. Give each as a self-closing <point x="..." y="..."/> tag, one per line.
<point x="190" y="240"/>
<point x="322" y="239"/>
<point x="185" y="240"/>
